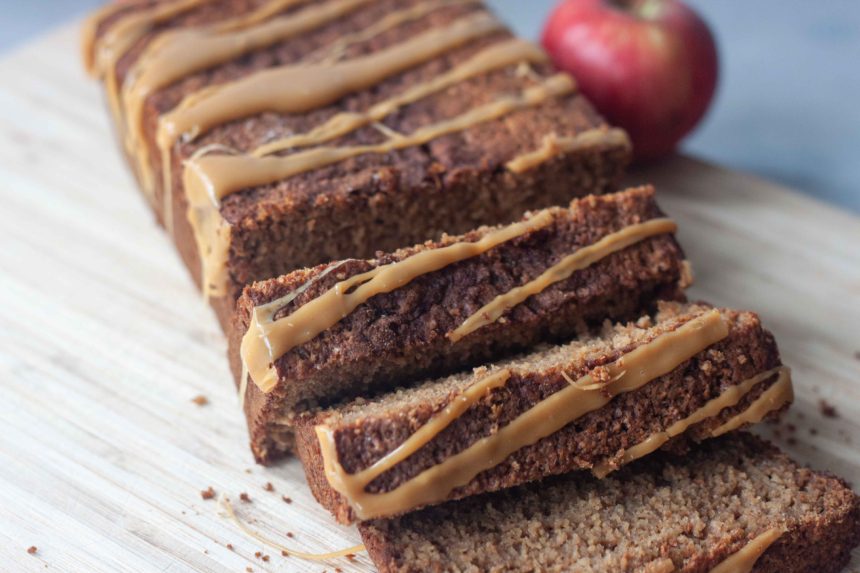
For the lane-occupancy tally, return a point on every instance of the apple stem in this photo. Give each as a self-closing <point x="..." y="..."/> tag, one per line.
<point x="642" y="9"/>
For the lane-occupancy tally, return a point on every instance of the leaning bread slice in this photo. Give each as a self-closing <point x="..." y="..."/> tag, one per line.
<point x="691" y="371"/>
<point x="350" y="328"/>
<point x="734" y="504"/>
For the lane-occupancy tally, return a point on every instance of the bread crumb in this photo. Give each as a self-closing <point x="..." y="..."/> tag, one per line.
<point x="269" y="486"/>
<point x="230" y="546"/>
<point x="287" y="499"/>
<point x="244" y="497"/>
<point x="260" y="555"/>
<point x="290" y="534"/>
<point x="284" y="553"/>
<point x="200" y="400"/>
<point x="249" y="569"/>
<point x="208" y="493"/>
<point x="828" y="410"/>
<point x="32" y="550"/>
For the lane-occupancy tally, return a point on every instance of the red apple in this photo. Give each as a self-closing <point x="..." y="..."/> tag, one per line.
<point x="650" y="66"/>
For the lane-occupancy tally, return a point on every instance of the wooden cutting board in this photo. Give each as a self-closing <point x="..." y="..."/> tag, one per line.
<point x="104" y="343"/>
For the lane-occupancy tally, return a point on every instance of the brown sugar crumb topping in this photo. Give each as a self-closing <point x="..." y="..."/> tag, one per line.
<point x="828" y="410"/>
<point x="200" y="400"/>
<point x="208" y="493"/>
<point x="287" y="499"/>
<point x="269" y="486"/>
<point x="32" y="550"/>
<point x="244" y="497"/>
<point x="230" y="546"/>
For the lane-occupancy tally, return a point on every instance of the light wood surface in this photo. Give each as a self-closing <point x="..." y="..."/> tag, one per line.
<point x="104" y="343"/>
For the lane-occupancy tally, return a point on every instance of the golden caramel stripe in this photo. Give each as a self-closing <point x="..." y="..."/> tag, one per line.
<point x="553" y="146"/>
<point x="432" y="428"/>
<point x="208" y="179"/>
<point x="180" y="53"/>
<point x="581" y="259"/>
<point x="774" y="398"/>
<point x="261" y="14"/>
<point x="300" y="22"/>
<point x="122" y="36"/>
<point x="268" y="339"/>
<point x="119" y="39"/>
<point x="334" y="52"/>
<point x="744" y="560"/>
<point x="305" y="87"/>
<point x="492" y="58"/>
<point x="89" y="32"/>
<point x="712" y="408"/>
<point x="629" y="373"/>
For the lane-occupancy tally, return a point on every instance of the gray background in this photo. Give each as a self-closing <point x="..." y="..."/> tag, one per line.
<point x="788" y="107"/>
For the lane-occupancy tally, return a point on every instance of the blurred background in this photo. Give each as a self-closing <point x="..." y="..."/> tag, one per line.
<point x="788" y="105"/>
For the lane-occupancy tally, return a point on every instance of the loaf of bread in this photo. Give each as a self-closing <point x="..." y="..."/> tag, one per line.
<point x="733" y="504"/>
<point x="689" y="372"/>
<point x="271" y="135"/>
<point x="352" y="328"/>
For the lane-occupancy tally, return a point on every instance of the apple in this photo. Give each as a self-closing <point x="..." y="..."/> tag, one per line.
<point x="649" y="66"/>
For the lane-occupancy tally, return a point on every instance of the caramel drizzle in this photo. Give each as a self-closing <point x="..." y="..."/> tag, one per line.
<point x="744" y="560"/>
<point x="288" y="552"/>
<point x="492" y="58"/>
<point x="119" y="39"/>
<point x="89" y="33"/>
<point x="334" y="52"/>
<point x="305" y="87"/>
<point x="774" y="398"/>
<point x="267" y="339"/>
<point x="629" y="373"/>
<point x="581" y="259"/>
<point x="712" y="408"/>
<point x="208" y="179"/>
<point x="180" y="53"/>
<point x="553" y="146"/>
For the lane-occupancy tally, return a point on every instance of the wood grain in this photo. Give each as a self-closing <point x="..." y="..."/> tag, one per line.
<point x="104" y="343"/>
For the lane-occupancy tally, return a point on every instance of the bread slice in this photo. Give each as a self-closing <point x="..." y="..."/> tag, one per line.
<point x="723" y="503"/>
<point x="413" y="329"/>
<point x="706" y="372"/>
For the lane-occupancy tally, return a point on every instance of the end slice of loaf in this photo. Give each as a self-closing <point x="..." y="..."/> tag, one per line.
<point x="403" y="334"/>
<point x="663" y="514"/>
<point x="739" y="373"/>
